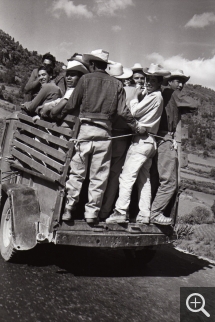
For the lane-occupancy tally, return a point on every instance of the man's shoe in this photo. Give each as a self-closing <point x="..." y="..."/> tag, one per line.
<point x="142" y="219"/>
<point x="116" y="218"/>
<point x="161" y="220"/>
<point x="92" y="220"/>
<point x="67" y="215"/>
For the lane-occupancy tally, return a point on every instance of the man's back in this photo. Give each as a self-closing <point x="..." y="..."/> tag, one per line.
<point x="97" y="93"/>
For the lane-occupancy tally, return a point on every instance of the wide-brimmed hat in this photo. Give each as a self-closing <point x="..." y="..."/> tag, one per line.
<point x="98" y="55"/>
<point x="178" y="73"/>
<point x="79" y="58"/>
<point x="156" y="70"/>
<point x="118" y="71"/>
<point x="75" y="65"/>
<point x="136" y="67"/>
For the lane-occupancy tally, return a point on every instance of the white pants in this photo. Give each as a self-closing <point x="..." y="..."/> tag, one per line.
<point x="137" y="165"/>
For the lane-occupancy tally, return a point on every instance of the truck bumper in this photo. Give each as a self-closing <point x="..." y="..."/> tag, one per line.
<point x="107" y="240"/>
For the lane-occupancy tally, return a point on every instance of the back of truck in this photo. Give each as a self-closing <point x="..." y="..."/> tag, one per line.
<point x="34" y="168"/>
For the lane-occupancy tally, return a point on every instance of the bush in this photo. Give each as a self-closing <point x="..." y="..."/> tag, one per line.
<point x="3" y="88"/>
<point x="205" y="154"/>
<point x="212" y="173"/>
<point x="213" y="208"/>
<point x="10" y="99"/>
<point x="199" y="215"/>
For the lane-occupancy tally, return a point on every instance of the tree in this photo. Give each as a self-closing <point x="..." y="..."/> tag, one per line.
<point x="205" y="154"/>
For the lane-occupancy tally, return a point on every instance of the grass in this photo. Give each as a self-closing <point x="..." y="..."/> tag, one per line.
<point x="188" y="240"/>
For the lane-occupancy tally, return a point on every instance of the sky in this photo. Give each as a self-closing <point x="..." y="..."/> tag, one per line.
<point x="178" y="34"/>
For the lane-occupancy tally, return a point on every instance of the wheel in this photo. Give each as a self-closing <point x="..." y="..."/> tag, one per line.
<point x="140" y="257"/>
<point x="8" y="250"/>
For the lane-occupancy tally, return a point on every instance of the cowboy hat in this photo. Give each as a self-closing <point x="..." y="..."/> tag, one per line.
<point x="178" y="73"/>
<point x="98" y="54"/>
<point x="75" y="65"/>
<point x="118" y="71"/>
<point x="79" y="58"/>
<point x="156" y="70"/>
<point x="136" y="67"/>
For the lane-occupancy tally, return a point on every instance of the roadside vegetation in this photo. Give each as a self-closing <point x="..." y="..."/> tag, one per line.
<point x="196" y="232"/>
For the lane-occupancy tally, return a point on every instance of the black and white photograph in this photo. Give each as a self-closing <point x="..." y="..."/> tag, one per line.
<point x="107" y="159"/>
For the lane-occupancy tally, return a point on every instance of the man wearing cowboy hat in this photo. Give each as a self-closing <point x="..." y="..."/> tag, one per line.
<point x="147" y="113"/>
<point x="138" y="75"/>
<point x="99" y="96"/>
<point x="75" y="69"/>
<point x="175" y="104"/>
<point x="119" y="145"/>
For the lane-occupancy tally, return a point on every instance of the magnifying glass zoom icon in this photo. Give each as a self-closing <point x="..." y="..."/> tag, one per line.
<point x="195" y="302"/>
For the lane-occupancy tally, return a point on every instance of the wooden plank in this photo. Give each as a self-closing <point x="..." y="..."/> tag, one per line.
<point x="33" y="173"/>
<point x="55" y="128"/>
<point x="48" y="137"/>
<point x="35" y="165"/>
<point x="70" y="118"/>
<point x="41" y="146"/>
<point x="42" y="157"/>
<point x="25" y="117"/>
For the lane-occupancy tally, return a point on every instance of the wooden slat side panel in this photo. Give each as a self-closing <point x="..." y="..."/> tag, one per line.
<point x="35" y="165"/>
<point x="46" y="136"/>
<point x="26" y="118"/>
<point x="70" y="118"/>
<point x="38" y="155"/>
<point x="55" y="128"/>
<point x="41" y="146"/>
<point x="30" y="172"/>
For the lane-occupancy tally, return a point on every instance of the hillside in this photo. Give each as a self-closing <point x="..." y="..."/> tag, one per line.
<point x="16" y="65"/>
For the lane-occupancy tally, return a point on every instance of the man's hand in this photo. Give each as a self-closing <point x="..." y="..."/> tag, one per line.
<point x="140" y="129"/>
<point x="138" y="94"/>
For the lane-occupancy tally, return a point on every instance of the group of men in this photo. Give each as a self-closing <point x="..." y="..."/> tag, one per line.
<point x="127" y="124"/>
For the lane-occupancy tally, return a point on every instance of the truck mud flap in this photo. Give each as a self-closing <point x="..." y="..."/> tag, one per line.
<point x="26" y="212"/>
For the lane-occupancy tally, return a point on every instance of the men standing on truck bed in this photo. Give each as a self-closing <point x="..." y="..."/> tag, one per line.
<point x="175" y="104"/>
<point x="147" y="108"/>
<point x="119" y="145"/>
<point x="33" y="85"/>
<point x="99" y="97"/>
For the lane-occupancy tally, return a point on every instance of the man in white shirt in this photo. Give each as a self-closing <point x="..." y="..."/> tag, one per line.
<point x="146" y="108"/>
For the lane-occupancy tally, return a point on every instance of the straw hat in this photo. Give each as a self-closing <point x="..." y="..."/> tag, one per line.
<point x="98" y="55"/>
<point x="178" y="73"/>
<point x="137" y="66"/>
<point x="156" y="70"/>
<point x="75" y="65"/>
<point x="118" y="71"/>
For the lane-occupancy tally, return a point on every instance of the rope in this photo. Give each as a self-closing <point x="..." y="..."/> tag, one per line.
<point x="122" y="136"/>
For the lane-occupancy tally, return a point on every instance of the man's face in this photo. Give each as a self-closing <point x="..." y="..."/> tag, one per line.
<point x="176" y="83"/>
<point x="47" y="62"/>
<point x="152" y="83"/>
<point x="43" y="76"/>
<point x="139" y="79"/>
<point x="72" y="78"/>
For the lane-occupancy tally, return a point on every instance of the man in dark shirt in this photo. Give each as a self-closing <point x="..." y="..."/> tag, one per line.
<point x="99" y="96"/>
<point x="175" y="104"/>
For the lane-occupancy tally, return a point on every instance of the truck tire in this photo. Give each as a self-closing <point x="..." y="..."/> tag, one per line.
<point x="8" y="251"/>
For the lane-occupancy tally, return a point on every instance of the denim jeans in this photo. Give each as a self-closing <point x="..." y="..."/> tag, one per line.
<point x="137" y="165"/>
